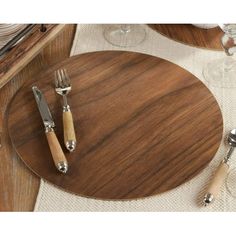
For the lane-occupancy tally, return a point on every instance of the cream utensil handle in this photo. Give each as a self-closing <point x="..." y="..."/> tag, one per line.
<point x="57" y="152"/>
<point x="216" y="183"/>
<point x="69" y="131"/>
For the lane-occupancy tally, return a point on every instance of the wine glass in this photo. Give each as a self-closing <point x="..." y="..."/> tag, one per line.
<point x="125" y="35"/>
<point x="221" y="72"/>
<point x="231" y="182"/>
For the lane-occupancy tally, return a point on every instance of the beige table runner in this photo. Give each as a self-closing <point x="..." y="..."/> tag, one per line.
<point x="186" y="197"/>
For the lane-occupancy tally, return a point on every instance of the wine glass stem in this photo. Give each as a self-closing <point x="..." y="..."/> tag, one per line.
<point x="230" y="152"/>
<point x="125" y="28"/>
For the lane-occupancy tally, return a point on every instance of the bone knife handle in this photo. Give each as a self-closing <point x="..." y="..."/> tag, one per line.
<point x="56" y="151"/>
<point x="216" y="183"/>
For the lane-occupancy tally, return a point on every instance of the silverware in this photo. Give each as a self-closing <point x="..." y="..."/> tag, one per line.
<point x="63" y="87"/>
<point x="221" y="172"/>
<point x="55" y="147"/>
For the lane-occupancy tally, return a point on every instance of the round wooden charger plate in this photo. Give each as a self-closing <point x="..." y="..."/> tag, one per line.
<point x="144" y="125"/>
<point x="191" y="35"/>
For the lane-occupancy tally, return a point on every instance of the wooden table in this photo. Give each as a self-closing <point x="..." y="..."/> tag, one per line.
<point x="19" y="186"/>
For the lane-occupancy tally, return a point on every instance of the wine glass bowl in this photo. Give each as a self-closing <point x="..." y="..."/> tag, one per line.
<point x="221" y="72"/>
<point x="228" y="40"/>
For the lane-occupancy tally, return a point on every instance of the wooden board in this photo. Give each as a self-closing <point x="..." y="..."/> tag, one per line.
<point x="144" y="125"/>
<point x="191" y="35"/>
<point x="18" y="57"/>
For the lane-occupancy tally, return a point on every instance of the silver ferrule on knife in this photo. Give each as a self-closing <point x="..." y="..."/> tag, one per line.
<point x="208" y="199"/>
<point x="54" y="145"/>
<point x="48" y="129"/>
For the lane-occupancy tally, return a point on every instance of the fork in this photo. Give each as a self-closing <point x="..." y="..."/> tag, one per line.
<point x="63" y="87"/>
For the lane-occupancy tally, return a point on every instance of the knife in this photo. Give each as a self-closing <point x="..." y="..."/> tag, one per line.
<point x="54" y="145"/>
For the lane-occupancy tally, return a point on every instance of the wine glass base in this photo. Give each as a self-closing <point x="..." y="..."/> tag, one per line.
<point x="231" y="182"/>
<point x="221" y="73"/>
<point x="127" y="37"/>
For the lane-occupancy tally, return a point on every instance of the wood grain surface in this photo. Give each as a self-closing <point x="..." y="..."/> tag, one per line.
<point x="144" y="125"/>
<point x="18" y="185"/>
<point x="191" y="35"/>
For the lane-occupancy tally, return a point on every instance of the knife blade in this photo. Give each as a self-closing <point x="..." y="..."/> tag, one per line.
<point x="43" y="108"/>
<point x="54" y="145"/>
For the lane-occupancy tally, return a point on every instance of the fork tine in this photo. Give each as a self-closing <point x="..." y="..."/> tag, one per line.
<point x="60" y="79"/>
<point x="67" y="77"/>
<point x="64" y="78"/>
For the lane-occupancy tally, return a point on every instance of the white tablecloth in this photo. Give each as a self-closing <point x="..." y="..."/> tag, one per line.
<point x="186" y="197"/>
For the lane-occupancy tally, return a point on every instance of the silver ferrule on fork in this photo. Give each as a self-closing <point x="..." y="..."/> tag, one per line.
<point x="66" y="108"/>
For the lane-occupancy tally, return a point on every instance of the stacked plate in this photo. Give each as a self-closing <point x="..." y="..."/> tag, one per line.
<point x="9" y="31"/>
